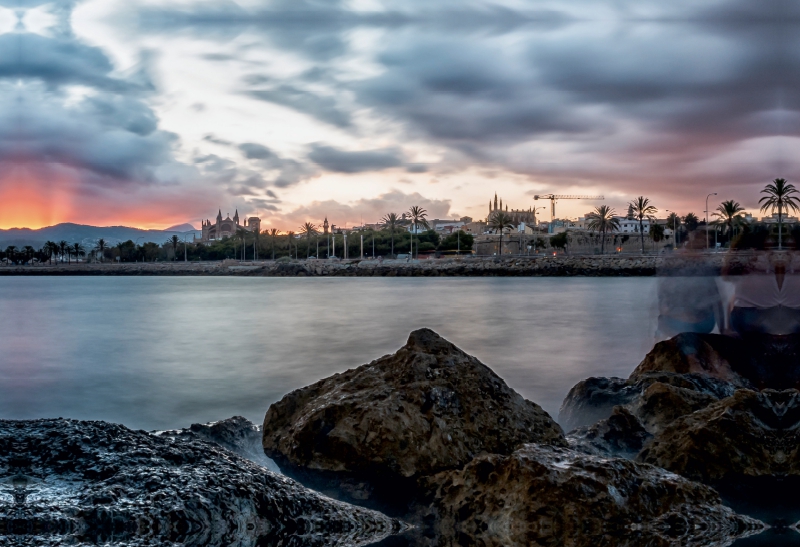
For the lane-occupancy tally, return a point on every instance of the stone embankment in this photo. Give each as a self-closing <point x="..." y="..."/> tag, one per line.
<point x="559" y="266"/>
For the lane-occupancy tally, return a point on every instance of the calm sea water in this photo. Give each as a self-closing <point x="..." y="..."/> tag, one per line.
<point x="158" y="352"/>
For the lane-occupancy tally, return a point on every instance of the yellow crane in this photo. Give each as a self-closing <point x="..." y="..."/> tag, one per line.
<point x="554" y="197"/>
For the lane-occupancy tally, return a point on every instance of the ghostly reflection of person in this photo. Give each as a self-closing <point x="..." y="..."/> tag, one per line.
<point x="688" y="297"/>
<point x="766" y="301"/>
<point x="688" y="304"/>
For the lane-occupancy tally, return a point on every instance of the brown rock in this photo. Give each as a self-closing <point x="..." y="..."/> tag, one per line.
<point x="427" y="408"/>
<point x="552" y="496"/>
<point x="621" y="434"/>
<point x="710" y="355"/>
<point x="661" y="404"/>
<point x="751" y="434"/>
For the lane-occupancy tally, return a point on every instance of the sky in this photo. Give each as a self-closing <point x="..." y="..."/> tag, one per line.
<point x="151" y="113"/>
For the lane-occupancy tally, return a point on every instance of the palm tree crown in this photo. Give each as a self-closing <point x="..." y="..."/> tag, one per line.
<point x="780" y="195"/>
<point x="499" y="221"/>
<point x="418" y="218"/>
<point x="309" y="230"/>
<point x="728" y="213"/>
<point x="391" y="222"/>
<point x="603" y="219"/>
<point x="642" y="209"/>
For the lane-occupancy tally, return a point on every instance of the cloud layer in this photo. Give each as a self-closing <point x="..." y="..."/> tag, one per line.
<point x="294" y="106"/>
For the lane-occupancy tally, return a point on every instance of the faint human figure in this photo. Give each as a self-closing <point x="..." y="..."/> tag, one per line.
<point x="766" y="300"/>
<point x="688" y="296"/>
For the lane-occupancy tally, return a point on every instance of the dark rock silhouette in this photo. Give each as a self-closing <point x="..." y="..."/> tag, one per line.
<point x="621" y="434"/>
<point x="79" y="483"/>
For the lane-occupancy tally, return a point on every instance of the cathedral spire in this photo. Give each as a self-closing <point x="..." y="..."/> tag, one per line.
<point x="236" y="216"/>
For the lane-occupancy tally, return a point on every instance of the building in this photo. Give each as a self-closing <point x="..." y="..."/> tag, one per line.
<point x="518" y="216"/>
<point x="773" y="219"/>
<point x="228" y="227"/>
<point x="627" y="225"/>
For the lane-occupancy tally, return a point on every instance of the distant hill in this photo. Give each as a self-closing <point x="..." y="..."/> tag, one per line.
<point x="185" y="227"/>
<point x="88" y="235"/>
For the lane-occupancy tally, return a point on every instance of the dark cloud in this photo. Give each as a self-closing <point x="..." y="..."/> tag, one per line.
<point x="324" y="108"/>
<point x="253" y="151"/>
<point x="341" y="161"/>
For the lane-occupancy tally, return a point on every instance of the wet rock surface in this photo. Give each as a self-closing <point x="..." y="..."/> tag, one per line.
<point x="237" y="434"/>
<point x="427" y="408"/>
<point x="553" y="496"/>
<point x="74" y="482"/>
<point x="751" y="434"/>
<point x="621" y="434"/>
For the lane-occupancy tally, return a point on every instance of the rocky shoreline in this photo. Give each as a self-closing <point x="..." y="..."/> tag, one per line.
<point x="429" y="447"/>
<point x="540" y="266"/>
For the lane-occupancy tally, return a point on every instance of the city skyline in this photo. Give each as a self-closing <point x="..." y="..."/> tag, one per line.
<point x="153" y="112"/>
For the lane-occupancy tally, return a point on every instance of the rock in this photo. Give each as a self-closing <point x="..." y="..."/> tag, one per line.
<point x="553" y="496"/>
<point x="661" y="403"/>
<point x="710" y="355"/>
<point x="621" y="434"/>
<point x="427" y="408"/>
<point x="594" y="399"/>
<point x="655" y="398"/>
<point x="237" y="434"/>
<point x="82" y="483"/>
<point x="751" y="434"/>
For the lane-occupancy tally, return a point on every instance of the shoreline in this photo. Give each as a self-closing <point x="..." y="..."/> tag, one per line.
<point x="540" y="266"/>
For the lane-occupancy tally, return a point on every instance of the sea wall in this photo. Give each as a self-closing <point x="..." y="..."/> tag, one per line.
<point x="561" y="265"/>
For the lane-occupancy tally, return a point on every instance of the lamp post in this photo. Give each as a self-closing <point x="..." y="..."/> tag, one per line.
<point x="534" y="227"/>
<point x="184" y="247"/>
<point x="706" y="212"/>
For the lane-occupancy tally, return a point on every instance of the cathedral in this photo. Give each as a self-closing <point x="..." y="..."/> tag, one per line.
<point x="228" y="227"/>
<point x="518" y="216"/>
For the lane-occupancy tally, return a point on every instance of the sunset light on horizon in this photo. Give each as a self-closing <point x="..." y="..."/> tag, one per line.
<point x="155" y="113"/>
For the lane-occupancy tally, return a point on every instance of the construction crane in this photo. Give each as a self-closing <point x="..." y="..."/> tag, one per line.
<point x="554" y="197"/>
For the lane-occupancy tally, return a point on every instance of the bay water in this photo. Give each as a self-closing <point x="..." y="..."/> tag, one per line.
<point x="165" y="352"/>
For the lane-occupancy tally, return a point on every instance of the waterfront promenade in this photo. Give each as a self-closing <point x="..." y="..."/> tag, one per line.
<point x="562" y="265"/>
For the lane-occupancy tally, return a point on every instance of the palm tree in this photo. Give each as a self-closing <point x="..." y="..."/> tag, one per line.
<point x="309" y="230"/>
<point x="11" y="250"/>
<point x="417" y="216"/>
<point x="121" y="246"/>
<point x="391" y="222"/>
<point x="78" y="250"/>
<point x="273" y="233"/>
<point x="498" y="222"/>
<point x="691" y="221"/>
<point x="50" y="249"/>
<point x="602" y="219"/>
<point x="779" y="195"/>
<point x="29" y="251"/>
<point x="101" y="247"/>
<point x="290" y="237"/>
<point x="728" y="213"/>
<point x="641" y="210"/>
<point x="673" y="221"/>
<point x="62" y="246"/>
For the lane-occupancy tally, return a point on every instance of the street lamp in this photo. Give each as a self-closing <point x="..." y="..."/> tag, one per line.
<point x="184" y="246"/>
<point x="706" y="212"/>
<point x="535" y="225"/>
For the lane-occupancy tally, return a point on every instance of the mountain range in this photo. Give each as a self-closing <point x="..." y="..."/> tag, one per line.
<point x="89" y="235"/>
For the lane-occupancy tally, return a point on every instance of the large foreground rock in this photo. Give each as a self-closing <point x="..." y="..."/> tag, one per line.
<point x="552" y="496"/>
<point x="73" y="482"/>
<point x="427" y="408"/>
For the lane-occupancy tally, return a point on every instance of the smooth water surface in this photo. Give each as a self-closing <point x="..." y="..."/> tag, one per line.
<point x="164" y="352"/>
